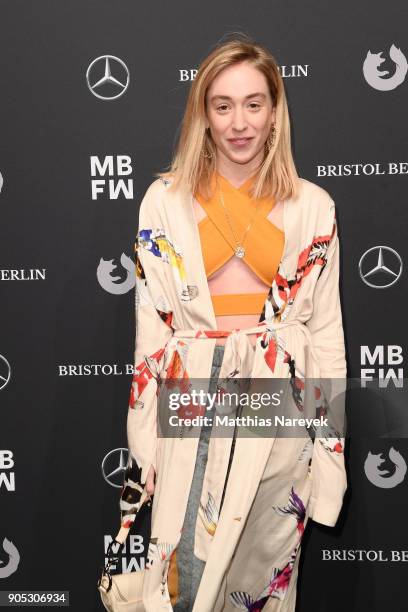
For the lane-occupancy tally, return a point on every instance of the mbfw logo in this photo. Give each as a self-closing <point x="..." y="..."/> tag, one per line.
<point x="383" y="478"/>
<point x="107" y="77"/>
<point x="9" y="567"/>
<point x="7" y="476"/>
<point x="381" y="363"/>
<point x="133" y="545"/>
<point x="113" y="167"/>
<point x="380" y="267"/>
<point x="5" y="372"/>
<point x="115" y="284"/>
<point x="380" y="79"/>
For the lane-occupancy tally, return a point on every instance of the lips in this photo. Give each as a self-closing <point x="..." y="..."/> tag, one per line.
<point x="239" y="141"/>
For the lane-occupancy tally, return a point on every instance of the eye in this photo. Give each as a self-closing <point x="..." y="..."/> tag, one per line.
<point x="255" y="105"/>
<point x="222" y="107"/>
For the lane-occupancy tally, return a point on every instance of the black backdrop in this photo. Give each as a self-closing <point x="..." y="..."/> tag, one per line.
<point x="61" y="308"/>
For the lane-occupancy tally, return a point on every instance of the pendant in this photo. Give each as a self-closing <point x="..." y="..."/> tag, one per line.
<point x="240" y="251"/>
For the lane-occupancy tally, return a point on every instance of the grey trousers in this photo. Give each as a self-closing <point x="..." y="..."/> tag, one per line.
<point x="189" y="567"/>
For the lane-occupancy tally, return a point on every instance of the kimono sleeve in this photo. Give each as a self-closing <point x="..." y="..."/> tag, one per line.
<point x="153" y="331"/>
<point x="329" y="480"/>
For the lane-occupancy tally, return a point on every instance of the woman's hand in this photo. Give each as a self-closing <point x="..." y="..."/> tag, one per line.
<point x="150" y="481"/>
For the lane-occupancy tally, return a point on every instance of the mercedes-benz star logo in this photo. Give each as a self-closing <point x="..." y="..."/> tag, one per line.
<point x="114" y="466"/>
<point x="380" y="267"/>
<point x="5" y="372"/>
<point x="99" y="77"/>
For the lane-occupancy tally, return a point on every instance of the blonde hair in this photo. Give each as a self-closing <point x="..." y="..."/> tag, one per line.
<point x="190" y="170"/>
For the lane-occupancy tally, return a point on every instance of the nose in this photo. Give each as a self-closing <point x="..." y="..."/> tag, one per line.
<point x="238" y="120"/>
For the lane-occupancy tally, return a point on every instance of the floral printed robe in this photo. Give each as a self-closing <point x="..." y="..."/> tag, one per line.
<point x="275" y="484"/>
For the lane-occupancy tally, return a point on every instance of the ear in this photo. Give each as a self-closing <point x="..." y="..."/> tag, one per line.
<point x="274" y="114"/>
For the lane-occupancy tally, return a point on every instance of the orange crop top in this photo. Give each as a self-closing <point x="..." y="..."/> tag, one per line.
<point x="263" y="244"/>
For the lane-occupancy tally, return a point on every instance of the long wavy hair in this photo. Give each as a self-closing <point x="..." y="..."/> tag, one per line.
<point x="190" y="169"/>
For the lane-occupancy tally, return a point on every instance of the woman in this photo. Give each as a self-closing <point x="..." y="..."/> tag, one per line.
<point x="237" y="262"/>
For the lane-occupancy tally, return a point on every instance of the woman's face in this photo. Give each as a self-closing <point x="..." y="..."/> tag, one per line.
<point x="240" y="112"/>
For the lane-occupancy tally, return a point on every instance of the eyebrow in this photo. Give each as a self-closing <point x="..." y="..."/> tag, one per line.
<point x="260" y="94"/>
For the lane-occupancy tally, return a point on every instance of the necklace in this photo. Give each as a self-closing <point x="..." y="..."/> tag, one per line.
<point x="239" y="250"/>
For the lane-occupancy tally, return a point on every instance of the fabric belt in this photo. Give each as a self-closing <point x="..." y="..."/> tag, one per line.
<point x="265" y="326"/>
<point x="256" y="329"/>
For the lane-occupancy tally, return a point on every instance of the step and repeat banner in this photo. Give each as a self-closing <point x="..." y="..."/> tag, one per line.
<point x="92" y="98"/>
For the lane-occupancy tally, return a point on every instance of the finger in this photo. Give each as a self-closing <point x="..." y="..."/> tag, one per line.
<point x="150" y="482"/>
<point x="149" y="487"/>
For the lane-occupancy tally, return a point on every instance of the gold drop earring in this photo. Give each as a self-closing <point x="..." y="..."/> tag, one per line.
<point x="204" y="151"/>
<point x="271" y="137"/>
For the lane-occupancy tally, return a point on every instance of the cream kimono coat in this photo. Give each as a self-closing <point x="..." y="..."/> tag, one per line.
<point x="275" y="484"/>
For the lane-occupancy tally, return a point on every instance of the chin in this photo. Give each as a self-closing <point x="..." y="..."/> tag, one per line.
<point x="242" y="158"/>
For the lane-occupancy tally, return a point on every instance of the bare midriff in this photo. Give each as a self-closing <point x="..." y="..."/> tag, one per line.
<point x="235" y="276"/>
